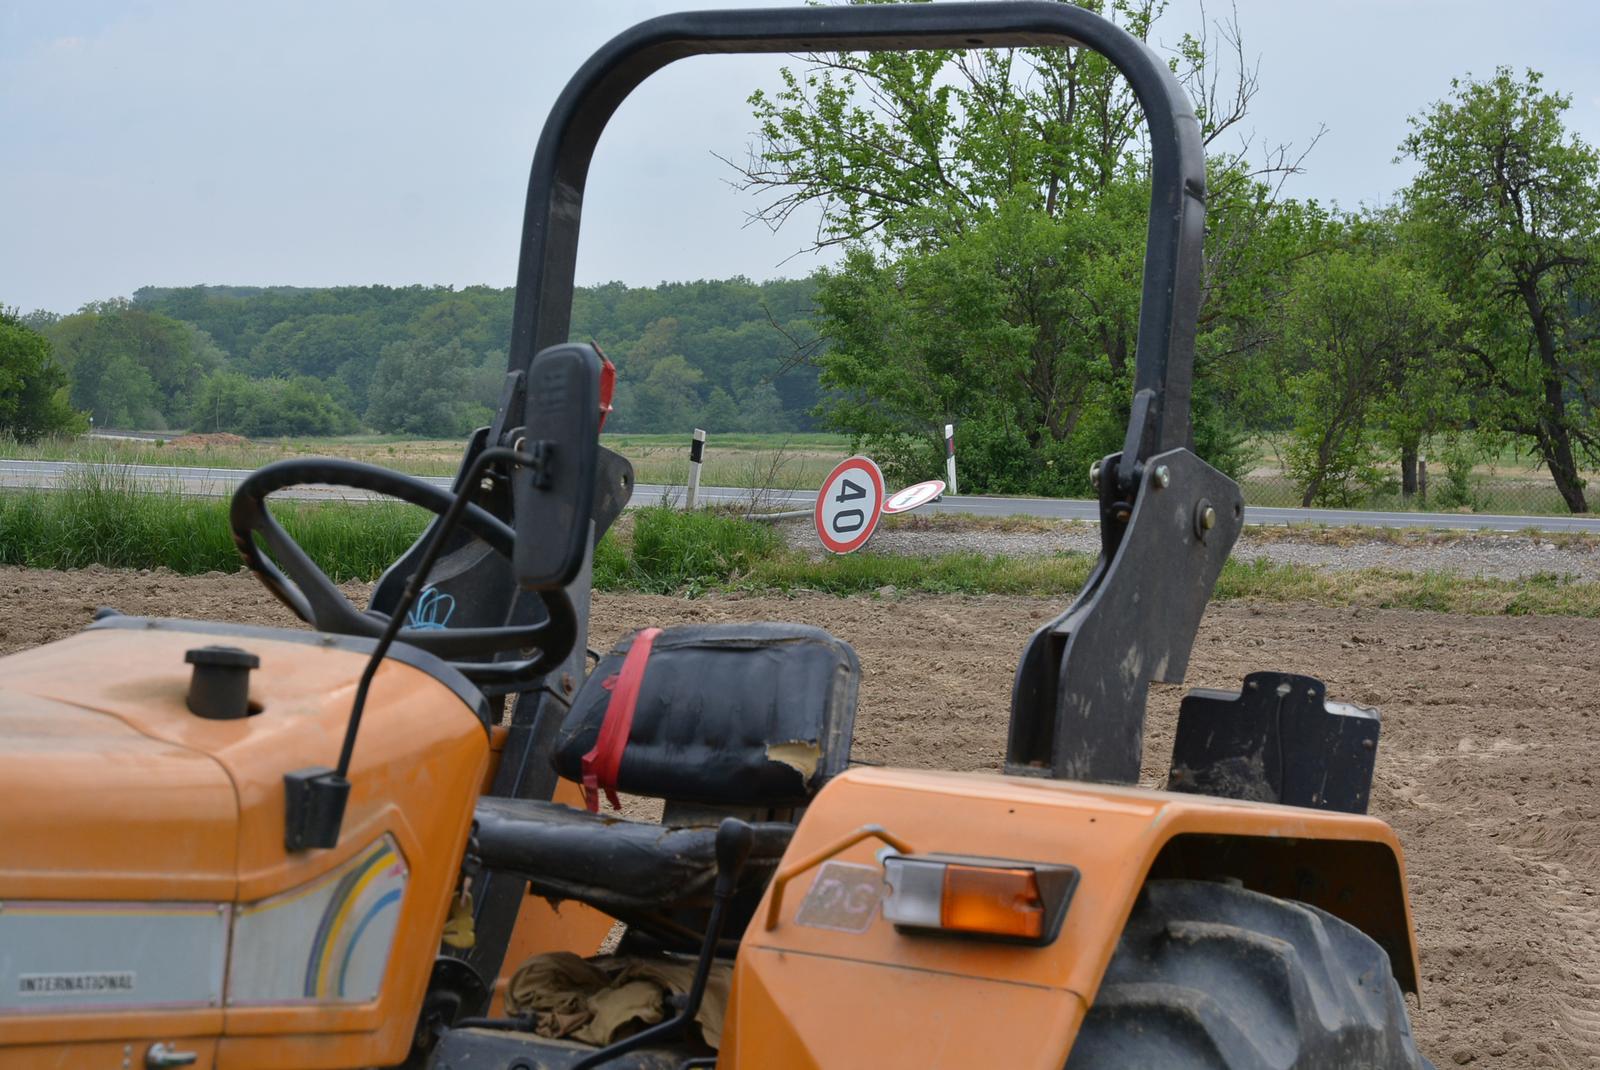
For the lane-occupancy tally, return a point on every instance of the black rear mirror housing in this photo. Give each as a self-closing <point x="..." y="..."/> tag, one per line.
<point x="553" y="498"/>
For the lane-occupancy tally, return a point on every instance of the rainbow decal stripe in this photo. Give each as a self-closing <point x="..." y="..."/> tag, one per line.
<point x="325" y="942"/>
<point x="372" y="887"/>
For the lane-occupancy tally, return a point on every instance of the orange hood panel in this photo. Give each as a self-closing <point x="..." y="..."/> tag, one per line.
<point x="85" y="798"/>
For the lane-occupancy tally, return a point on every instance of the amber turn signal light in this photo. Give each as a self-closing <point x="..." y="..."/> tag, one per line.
<point x="976" y="897"/>
<point x="1000" y="902"/>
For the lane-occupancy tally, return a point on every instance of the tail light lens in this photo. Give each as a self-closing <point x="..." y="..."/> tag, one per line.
<point x="1020" y="902"/>
<point x="1000" y="902"/>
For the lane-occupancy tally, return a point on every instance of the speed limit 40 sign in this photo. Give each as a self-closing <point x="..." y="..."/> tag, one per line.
<point x="849" y="505"/>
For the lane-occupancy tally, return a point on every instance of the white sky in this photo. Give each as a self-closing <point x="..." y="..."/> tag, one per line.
<point x="309" y="142"/>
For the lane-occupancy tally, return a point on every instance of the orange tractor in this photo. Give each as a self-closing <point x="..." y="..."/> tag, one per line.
<point x="376" y="843"/>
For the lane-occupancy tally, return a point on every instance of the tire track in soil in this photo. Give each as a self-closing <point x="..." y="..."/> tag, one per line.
<point x="1485" y="766"/>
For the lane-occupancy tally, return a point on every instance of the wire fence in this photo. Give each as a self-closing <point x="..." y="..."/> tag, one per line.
<point x="1481" y="478"/>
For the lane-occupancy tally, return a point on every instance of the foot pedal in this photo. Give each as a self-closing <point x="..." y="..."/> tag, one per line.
<point x="1277" y="740"/>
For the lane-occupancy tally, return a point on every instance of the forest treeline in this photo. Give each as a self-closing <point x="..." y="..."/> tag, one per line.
<point x="425" y="361"/>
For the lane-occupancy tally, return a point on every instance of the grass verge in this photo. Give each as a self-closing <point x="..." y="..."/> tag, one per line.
<point x="106" y="519"/>
<point x="658" y="550"/>
<point x="692" y="554"/>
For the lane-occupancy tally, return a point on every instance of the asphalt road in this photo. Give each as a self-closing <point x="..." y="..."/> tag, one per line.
<point x="219" y="482"/>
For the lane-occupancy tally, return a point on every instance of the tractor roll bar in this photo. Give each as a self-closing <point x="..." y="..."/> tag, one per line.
<point x="1169" y="306"/>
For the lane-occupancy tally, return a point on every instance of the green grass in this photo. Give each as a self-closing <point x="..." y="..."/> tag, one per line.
<point x="106" y="519"/>
<point x="669" y="551"/>
<point x="109" y="521"/>
<point x="745" y="561"/>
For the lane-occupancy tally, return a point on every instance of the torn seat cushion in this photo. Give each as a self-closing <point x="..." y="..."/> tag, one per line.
<point x="754" y="714"/>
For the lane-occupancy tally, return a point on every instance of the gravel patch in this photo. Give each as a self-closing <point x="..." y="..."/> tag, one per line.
<point x="1494" y="556"/>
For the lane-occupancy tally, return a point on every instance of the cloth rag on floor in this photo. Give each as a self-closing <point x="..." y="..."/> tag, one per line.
<point x="598" y="1000"/>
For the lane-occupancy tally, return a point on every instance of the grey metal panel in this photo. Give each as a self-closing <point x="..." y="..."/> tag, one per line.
<point x="60" y="957"/>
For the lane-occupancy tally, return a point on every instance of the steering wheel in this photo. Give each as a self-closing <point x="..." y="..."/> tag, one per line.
<point x="315" y="599"/>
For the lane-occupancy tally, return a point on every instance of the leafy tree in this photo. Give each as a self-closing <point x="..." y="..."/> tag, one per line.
<point x="260" y="408"/>
<point x="130" y="367"/>
<point x="993" y="205"/>
<point x="1363" y="338"/>
<point x="1507" y="203"/>
<point x="327" y="346"/>
<point x="720" y="412"/>
<point x="668" y="398"/>
<point x="33" y="386"/>
<point x="999" y="330"/>
<point x="762" y="410"/>
<point x="419" y="389"/>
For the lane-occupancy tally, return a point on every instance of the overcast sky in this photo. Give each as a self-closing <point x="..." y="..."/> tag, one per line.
<point x="323" y="143"/>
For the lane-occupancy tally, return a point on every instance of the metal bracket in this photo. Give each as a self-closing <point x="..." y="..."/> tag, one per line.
<point x="1077" y="706"/>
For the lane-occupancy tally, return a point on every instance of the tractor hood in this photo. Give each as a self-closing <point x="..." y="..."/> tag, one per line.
<point x="92" y="807"/>
<point x="146" y="891"/>
<point x="112" y="789"/>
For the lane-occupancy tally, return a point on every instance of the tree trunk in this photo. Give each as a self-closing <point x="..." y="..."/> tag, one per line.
<point x="1556" y="446"/>
<point x="1408" y="472"/>
<point x="1555" y="437"/>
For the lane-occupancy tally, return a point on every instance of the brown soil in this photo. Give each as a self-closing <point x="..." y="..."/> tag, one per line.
<point x="209" y="441"/>
<point x="1486" y="766"/>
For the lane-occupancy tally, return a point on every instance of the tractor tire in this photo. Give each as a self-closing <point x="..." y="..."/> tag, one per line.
<point x="1209" y="976"/>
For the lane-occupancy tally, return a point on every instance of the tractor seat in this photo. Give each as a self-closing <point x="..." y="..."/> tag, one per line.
<point x="748" y="720"/>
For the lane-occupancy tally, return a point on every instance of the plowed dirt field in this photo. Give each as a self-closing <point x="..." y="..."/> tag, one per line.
<point x="1486" y="767"/>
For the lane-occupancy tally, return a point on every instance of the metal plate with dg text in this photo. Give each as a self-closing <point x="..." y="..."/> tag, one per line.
<point x="844" y="897"/>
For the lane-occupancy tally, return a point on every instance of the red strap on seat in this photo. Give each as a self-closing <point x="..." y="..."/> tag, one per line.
<point x="601" y="765"/>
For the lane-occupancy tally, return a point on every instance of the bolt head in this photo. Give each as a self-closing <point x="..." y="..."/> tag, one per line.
<point x="1163" y="476"/>
<point x="1208" y="518"/>
<point x="1094" y="475"/>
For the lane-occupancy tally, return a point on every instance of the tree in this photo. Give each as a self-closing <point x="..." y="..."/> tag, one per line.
<point x="720" y="413"/>
<point x="993" y="205"/>
<point x="669" y="397"/>
<point x="1507" y="203"/>
<point x="1001" y="330"/>
<point x="738" y="335"/>
<point x="130" y="367"/>
<point x="33" y="387"/>
<point x="419" y="389"/>
<point x="261" y="408"/>
<point x="1362" y="342"/>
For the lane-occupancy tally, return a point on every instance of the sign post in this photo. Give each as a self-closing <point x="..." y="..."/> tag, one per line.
<point x="849" y="505"/>
<point x="950" y="457"/>
<point x="697" y="452"/>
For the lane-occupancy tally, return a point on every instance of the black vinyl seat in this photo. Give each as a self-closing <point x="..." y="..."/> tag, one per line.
<point x="743" y="719"/>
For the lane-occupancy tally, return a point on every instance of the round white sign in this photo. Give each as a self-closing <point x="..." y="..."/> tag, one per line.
<point x="849" y="504"/>
<point x="918" y="494"/>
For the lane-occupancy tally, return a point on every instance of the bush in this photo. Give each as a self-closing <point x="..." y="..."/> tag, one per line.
<point x="1459" y="454"/>
<point x="268" y="408"/>
<point x="691" y="551"/>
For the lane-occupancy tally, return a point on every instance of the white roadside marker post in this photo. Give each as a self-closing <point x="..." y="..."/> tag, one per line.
<point x="950" y="456"/>
<point x="697" y="452"/>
